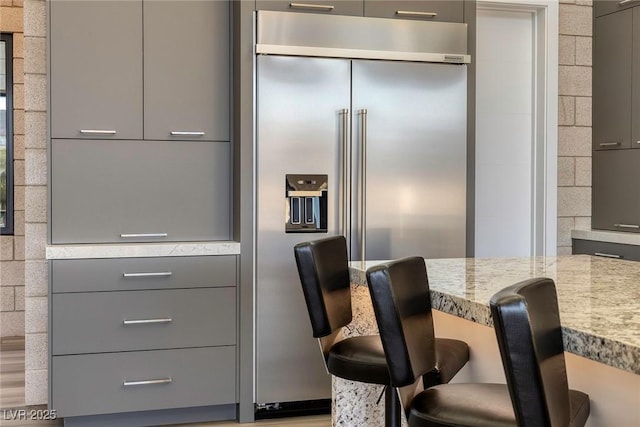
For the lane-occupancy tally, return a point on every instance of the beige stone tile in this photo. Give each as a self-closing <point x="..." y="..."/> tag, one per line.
<point x="18" y="122"/>
<point x="35" y="92"/>
<point x="35" y="167"/>
<point x="574" y="81"/>
<point x="12" y="324"/>
<point x="564" y="250"/>
<point x="35" y="55"/>
<point x="35" y="351"/>
<point x="583" y="171"/>
<point x="36" y="315"/>
<point x="7" y="298"/>
<point x="18" y="147"/>
<point x="583" y="111"/>
<point x="36" y="129"/>
<point x="566" y="110"/>
<point x="18" y="248"/>
<point x="568" y="1"/>
<point x="11" y="19"/>
<point x="18" y="191"/>
<point x="574" y="141"/>
<point x="18" y="70"/>
<point x="5" y="3"/>
<point x="567" y="50"/>
<point x="18" y="45"/>
<point x="19" y="298"/>
<point x="35" y="386"/>
<point x="574" y="201"/>
<point x="585" y="2"/>
<point x="584" y="51"/>
<point x="18" y="96"/>
<point x="575" y="20"/>
<point x="19" y="3"/>
<point x="583" y="223"/>
<point x="36" y="277"/>
<point x="36" y="238"/>
<point x="566" y="171"/>
<point x="18" y="223"/>
<point x="35" y="18"/>
<point x="35" y="204"/>
<point x="6" y="248"/>
<point x="12" y="273"/>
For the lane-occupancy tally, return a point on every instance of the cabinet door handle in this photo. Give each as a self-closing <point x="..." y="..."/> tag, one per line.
<point x="147" y="321"/>
<point x="416" y="14"/>
<point x="325" y="7"/>
<point x="147" y="382"/>
<point x="609" y="144"/>
<point x="152" y="274"/>
<point x="97" y="131"/>
<point x="627" y="225"/>
<point x="126" y="236"/>
<point x="607" y="255"/>
<point x="186" y="133"/>
<point x="625" y="2"/>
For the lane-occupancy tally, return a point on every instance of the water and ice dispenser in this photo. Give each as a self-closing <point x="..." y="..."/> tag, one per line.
<point x="306" y="203"/>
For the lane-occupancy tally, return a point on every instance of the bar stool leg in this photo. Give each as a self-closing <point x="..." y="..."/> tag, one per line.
<point x="391" y="407"/>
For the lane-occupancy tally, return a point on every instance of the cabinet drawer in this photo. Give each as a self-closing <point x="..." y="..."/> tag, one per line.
<point x="142" y="320"/>
<point x="126" y="274"/>
<point x="139" y="191"/>
<point x="602" y="7"/>
<point x="94" y="384"/>
<point x="436" y="10"/>
<point x="606" y="249"/>
<point x="329" y="7"/>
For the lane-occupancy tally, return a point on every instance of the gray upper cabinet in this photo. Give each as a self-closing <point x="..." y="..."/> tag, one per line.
<point x="635" y="85"/>
<point x="616" y="199"/>
<point x="96" y="69"/>
<point x="186" y="70"/>
<point x="442" y="10"/>
<point x="603" y="7"/>
<point x="612" y="74"/>
<point x="329" y="7"/>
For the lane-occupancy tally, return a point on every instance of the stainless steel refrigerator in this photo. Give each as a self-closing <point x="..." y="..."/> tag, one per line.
<point x="383" y="144"/>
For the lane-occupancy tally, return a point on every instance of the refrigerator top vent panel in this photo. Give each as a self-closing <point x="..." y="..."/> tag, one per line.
<point x="306" y="34"/>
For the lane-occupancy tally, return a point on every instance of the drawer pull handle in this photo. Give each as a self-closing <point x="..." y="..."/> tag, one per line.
<point x="154" y="274"/>
<point x="97" y="131"/>
<point x="623" y="2"/>
<point x="147" y="321"/>
<point x="186" y="133"/>
<point x="627" y="225"/>
<point x="416" y="14"/>
<point x="325" y="7"/>
<point x="607" y="255"/>
<point x="147" y="382"/>
<point x="134" y="235"/>
<point x="610" y="144"/>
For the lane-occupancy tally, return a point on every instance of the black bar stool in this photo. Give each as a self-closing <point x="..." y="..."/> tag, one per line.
<point x="324" y="274"/>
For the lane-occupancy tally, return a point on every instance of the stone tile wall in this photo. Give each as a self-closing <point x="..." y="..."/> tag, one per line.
<point x="574" y="119"/>
<point x="12" y="288"/>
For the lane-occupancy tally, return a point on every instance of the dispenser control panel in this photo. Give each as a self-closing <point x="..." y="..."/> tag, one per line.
<point x="306" y="203"/>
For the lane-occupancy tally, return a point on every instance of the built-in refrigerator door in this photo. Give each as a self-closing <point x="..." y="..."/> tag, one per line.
<point x="414" y="130"/>
<point x="301" y="128"/>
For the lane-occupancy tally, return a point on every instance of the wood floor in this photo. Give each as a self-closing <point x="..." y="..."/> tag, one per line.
<point x="12" y="396"/>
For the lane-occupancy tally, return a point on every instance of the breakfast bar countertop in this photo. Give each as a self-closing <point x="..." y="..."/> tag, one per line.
<point x="599" y="298"/>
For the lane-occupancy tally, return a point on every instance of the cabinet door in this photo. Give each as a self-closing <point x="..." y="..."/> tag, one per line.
<point x="429" y="10"/>
<point x="616" y="197"/>
<point x="96" y="69"/>
<point x="139" y="191"/>
<point x="331" y="7"/>
<point x="612" y="81"/>
<point x="186" y="70"/>
<point x="603" y="7"/>
<point x="635" y="85"/>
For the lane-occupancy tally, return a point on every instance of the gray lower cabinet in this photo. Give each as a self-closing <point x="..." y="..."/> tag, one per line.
<point x="635" y="84"/>
<point x="117" y="351"/>
<point x="139" y="191"/>
<point x="606" y="249"/>
<point x="616" y="199"/>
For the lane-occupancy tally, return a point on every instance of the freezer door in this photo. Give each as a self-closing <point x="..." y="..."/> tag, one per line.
<point x="300" y="130"/>
<point x="415" y="133"/>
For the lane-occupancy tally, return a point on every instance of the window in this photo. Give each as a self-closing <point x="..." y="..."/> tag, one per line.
<point x="6" y="134"/>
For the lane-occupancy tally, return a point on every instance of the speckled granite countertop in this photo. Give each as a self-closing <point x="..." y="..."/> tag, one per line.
<point x="127" y="250"/>
<point x="626" y="238"/>
<point x="599" y="298"/>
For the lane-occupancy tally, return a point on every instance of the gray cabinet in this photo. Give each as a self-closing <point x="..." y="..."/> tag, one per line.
<point x="139" y="350"/>
<point x="603" y="7"/>
<point x="635" y="84"/>
<point x="139" y="191"/>
<point x="96" y="69"/>
<point x="606" y="249"/>
<point x="612" y="74"/>
<point x="186" y="70"/>
<point x="431" y="10"/>
<point x="616" y="198"/>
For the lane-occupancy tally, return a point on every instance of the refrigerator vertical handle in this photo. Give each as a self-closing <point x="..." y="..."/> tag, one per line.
<point x="344" y="179"/>
<point x="363" y="183"/>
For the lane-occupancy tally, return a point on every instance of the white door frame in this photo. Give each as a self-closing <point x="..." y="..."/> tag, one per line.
<point x="545" y="113"/>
